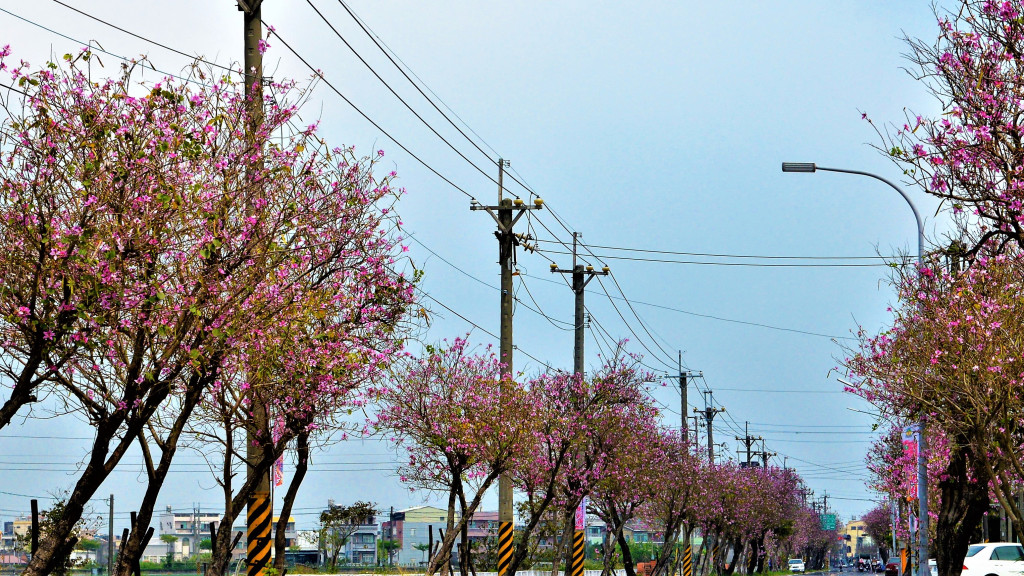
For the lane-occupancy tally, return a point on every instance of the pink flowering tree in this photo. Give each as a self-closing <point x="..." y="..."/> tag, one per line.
<point x="955" y="353"/>
<point x="970" y="154"/>
<point x="319" y="356"/>
<point x="461" y="425"/>
<point x="676" y="471"/>
<point x="58" y="273"/>
<point x="879" y="526"/>
<point x="208" y="230"/>
<point x="588" y="425"/>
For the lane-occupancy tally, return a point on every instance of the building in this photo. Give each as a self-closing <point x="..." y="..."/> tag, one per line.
<point x="181" y="534"/>
<point x="856" y="540"/>
<point x="412" y="528"/>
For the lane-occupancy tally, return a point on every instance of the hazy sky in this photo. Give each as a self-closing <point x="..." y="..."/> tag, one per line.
<point x="649" y="125"/>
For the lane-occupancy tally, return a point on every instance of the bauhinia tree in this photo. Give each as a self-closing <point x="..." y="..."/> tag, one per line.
<point x="956" y="353"/>
<point x="588" y="424"/>
<point x="218" y="245"/>
<point x="462" y="424"/>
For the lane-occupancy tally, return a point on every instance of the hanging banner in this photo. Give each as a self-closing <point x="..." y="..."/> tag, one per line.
<point x="279" y="471"/>
<point x="581" y="514"/>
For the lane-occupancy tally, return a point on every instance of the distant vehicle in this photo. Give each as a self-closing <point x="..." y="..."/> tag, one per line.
<point x="796" y="565"/>
<point x="995" y="559"/>
<point x="933" y="567"/>
<point x="876" y="565"/>
<point x="892" y="568"/>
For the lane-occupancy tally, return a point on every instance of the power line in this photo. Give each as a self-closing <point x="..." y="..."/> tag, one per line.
<point x="143" y="38"/>
<point x="334" y="89"/>
<point x="744" y="256"/>
<point x="400" y="99"/>
<point x="388" y="53"/>
<point x="734" y="264"/>
<point x="730" y="320"/>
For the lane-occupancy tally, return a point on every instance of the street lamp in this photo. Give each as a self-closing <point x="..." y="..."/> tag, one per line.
<point x="922" y="466"/>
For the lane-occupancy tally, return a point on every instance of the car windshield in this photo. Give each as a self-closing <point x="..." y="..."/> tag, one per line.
<point x="972" y="550"/>
<point x="796" y="561"/>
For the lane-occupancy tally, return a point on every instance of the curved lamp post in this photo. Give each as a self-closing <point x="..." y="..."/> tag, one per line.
<point x="922" y="465"/>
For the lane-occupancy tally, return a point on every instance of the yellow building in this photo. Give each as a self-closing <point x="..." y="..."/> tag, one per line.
<point x="856" y="539"/>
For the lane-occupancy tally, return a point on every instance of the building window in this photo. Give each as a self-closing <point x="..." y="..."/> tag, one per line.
<point x="412" y="531"/>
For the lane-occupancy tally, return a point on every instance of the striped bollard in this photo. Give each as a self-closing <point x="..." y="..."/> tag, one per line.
<point x="688" y="561"/>
<point x="578" y="550"/>
<point x="504" y="547"/>
<point x="258" y="538"/>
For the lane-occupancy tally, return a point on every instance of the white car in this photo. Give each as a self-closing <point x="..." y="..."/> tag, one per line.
<point x="796" y="565"/>
<point x="994" y="559"/>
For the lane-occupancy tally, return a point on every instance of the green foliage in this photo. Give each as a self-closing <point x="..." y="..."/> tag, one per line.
<point x="48" y="519"/>
<point x="338" y="523"/>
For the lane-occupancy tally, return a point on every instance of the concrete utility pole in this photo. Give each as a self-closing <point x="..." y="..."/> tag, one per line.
<point x="507" y="242"/>
<point x="709" y="412"/>
<point x="765" y="454"/>
<point x="110" y="538"/>
<point x="259" y="511"/>
<point x="748" y="441"/>
<point x="580" y="278"/>
<point x="684" y="407"/>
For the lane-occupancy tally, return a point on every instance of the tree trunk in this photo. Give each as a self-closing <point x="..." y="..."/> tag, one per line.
<point x="627" y="556"/>
<point x="564" y="549"/>
<point x="752" y="556"/>
<point x="302" y="451"/>
<point x="665" y="555"/>
<point x="21" y="393"/>
<point x="963" y="501"/>
<point x="454" y="528"/>
<point x="737" y="551"/>
<point x="139" y="538"/>
<point x="221" y="558"/>
<point x="56" y="545"/>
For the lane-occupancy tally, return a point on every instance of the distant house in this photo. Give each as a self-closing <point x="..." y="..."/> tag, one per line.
<point x="412" y="527"/>
<point x="189" y="529"/>
<point x="13" y="559"/>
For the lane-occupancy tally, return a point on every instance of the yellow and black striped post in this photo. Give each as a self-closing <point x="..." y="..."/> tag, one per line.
<point x="504" y="547"/>
<point x="688" y="561"/>
<point x="258" y="537"/>
<point x="716" y="561"/>
<point x="578" y="549"/>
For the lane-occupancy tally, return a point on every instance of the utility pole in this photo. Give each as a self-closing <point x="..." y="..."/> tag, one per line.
<point x="507" y="242"/>
<point x="580" y="278"/>
<point x="684" y="406"/>
<point x="259" y="513"/>
<point x="709" y="412"/>
<point x="748" y="441"/>
<point x="696" y="432"/>
<point x="765" y="454"/>
<point x="110" y="539"/>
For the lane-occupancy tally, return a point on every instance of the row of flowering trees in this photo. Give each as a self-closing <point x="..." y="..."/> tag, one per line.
<point x="180" y="273"/>
<point x="563" y="439"/>
<point x="953" y="357"/>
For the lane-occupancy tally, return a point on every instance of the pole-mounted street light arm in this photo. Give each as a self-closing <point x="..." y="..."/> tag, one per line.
<point x="812" y="167"/>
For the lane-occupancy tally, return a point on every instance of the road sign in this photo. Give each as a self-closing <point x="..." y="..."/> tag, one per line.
<point x="828" y="521"/>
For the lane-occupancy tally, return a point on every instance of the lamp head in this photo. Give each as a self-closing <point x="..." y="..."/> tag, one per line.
<point x="798" y="167"/>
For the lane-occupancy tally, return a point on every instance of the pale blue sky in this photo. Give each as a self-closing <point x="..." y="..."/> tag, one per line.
<point x="656" y="125"/>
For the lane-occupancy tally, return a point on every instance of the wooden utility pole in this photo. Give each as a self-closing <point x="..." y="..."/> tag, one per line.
<point x="507" y="242"/>
<point x="259" y="513"/>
